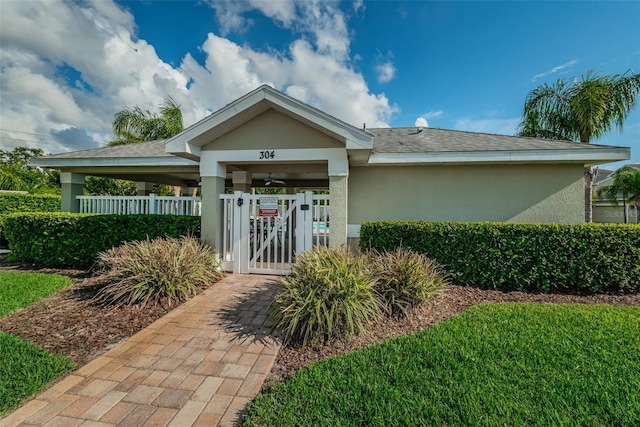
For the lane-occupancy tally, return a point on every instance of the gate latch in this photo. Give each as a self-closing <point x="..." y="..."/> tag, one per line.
<point x="240" y="201"/>
<point x="304" y="207"/>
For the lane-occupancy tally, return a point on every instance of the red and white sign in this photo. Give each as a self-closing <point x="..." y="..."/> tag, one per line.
<point x="268" y="206"/>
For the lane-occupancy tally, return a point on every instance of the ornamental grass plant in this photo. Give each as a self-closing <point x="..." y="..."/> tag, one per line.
<point x="163" y="270"/>
<point x="405" y="278"/>
<point x="329" y="294"/>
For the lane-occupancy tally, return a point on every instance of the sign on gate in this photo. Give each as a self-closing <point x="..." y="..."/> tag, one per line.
<point x="268" y="206"/>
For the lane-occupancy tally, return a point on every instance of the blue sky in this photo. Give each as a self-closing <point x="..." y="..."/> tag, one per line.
<point x="67" y="67"/>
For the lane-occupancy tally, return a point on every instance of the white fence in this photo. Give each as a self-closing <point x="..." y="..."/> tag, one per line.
<point x="151" y="204"/>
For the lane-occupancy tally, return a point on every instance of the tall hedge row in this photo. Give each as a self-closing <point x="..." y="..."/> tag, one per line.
<point x="74" y="240"/>
<point x="538" y="257"/>
<point x="16" y="202"/>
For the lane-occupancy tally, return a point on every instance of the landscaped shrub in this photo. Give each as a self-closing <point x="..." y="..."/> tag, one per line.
<point x="16" y="202"/>
<point x="541" y="257"/>
<point x="160" y="270"/>
<point x="405" y="278"/>
<point x="74" y="240"/>
<point x="328" y="295"/>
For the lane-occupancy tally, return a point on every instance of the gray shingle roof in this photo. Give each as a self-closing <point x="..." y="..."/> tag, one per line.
<point x="140" y="149"/>
<point x="385" y="140"/>
<point x="410" y="140"/>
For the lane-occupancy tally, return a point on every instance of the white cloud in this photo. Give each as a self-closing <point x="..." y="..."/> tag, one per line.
<point x="421" y="122"/>
<point x="554" y="70"/>
<point x="385" y="72"/>
<point x="107" y="67"/>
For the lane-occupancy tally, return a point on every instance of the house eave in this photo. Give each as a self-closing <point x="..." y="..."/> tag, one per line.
<point x="586" y="157"/>
<point x="61" y="163"/>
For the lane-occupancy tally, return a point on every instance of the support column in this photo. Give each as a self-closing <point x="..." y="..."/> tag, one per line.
<point x="338" y="199"/>
<point x="144" y="188"/>
<point x="241" y="181"/>
<point x="211" y="187"/>
<point x="71" y="186"/>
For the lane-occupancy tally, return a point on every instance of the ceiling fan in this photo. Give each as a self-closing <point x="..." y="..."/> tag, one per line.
<point x="268" y="181"/>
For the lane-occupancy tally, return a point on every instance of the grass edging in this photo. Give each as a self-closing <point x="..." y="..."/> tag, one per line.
<point x="25" y="368"/>
<point x="20" y="289"/>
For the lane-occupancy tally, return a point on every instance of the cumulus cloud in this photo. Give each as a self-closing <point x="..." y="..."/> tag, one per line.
<point x="554" y="70"/>
<point x="67" y="67"/>
<point x="421" y="122"/>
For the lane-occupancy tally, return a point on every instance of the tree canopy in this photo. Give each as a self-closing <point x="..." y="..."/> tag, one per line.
<point x="580" y="109"/>
<point x="133" y="124"/>
<point x="18" y="175"/>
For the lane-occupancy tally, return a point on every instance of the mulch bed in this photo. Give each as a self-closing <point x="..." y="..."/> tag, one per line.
<point x="71" y="323"/>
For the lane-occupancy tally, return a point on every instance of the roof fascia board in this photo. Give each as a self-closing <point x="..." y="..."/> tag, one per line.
<point x="113" y="161"/>
<point x="594" y="156"/>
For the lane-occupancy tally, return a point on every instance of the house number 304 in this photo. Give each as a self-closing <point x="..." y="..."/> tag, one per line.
<point x="267" y="155"/>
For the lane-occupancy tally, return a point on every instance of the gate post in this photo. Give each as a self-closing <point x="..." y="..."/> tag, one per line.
<point x="240" y="261"/>
<point x="308" y="221"/>
<point x="300" y="223"/>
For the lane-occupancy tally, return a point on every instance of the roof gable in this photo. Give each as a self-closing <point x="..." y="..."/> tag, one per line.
<point x="189" y="142"/>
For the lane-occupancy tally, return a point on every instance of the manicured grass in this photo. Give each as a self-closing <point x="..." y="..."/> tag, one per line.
<point x="24" y="369"/>
<point x="498" y="364"/>
<point x="18" y="289"/>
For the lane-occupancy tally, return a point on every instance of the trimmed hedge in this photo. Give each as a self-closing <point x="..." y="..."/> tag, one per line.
<point x="533" y="257"/>
<point x="74" y="240"/>
<point x="16" y="202"/>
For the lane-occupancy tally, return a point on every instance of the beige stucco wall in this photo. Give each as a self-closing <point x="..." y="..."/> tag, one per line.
<point x="509" y="193"/>
<point x="273" y="130"/>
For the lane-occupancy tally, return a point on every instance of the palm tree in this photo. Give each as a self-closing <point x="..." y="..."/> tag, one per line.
<point x="134" y="124"/>
<point x="580" y="110"/>
<point x="626" y="185"/>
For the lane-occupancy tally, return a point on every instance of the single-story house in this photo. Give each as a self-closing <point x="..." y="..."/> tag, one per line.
<point x="370" y="174"/>
<point x="605" y="210"/>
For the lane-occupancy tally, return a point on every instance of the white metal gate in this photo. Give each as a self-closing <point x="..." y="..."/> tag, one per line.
<point x="263" y="233"/>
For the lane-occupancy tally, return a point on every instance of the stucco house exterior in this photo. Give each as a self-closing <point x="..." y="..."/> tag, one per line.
<point x="370" y="174"/>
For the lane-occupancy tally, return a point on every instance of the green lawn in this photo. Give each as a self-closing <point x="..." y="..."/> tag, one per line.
<point x="498" y="364"/>
<point x="19" y="289"/>
<point x="24" y="367"/>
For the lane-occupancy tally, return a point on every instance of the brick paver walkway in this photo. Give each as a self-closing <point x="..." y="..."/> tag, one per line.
<point x="197" y="366"/>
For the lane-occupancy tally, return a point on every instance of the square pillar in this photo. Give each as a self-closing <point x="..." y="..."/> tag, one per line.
<point x="72" y="185"/>
<point x="144" y="188"/>
<point x="338" y="198"/>
<point x="212" y="185"/>
<point x="241" y="181"/>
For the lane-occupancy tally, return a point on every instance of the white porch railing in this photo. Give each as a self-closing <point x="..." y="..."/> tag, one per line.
<point x="151" y="204"/>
